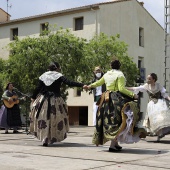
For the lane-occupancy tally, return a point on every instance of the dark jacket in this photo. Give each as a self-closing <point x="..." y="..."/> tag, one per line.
<point x="54" y="87"/>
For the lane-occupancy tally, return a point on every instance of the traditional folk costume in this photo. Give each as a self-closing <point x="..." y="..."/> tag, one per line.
<point x="118" y="115"/>
<point x="49" y="112"/>
<point x="10" y="117"/>
<point x="157" y="118"/>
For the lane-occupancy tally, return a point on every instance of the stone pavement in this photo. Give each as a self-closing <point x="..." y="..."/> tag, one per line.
<point x="24" y="152"/>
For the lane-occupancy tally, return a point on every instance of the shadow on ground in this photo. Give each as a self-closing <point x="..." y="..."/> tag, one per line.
<point x="139" y="151"/>
<point x="161" y="141"/>
<point x="65" y="144"/>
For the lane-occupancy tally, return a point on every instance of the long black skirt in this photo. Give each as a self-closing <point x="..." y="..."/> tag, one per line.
<point x="13" y="116"/>
<point x="10" y="117"/>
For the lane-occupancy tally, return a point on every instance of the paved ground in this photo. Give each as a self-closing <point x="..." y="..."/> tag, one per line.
<point x="24" y="152"/>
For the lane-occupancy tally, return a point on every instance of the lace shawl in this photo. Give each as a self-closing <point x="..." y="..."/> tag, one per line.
<point x="153" y="90"/>
<point x="49" y="77"/>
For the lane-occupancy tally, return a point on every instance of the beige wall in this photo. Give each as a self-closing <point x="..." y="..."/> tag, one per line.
<point x="3" y="16"/>
<point x="84" y="100"/>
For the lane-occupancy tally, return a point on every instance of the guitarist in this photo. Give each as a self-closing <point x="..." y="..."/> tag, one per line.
<point x="10" y="116"/>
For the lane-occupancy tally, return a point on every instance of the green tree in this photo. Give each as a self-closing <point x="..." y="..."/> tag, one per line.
<point x="30" y="57"/>
<point x="2" y="75"/>
<point x="100" y="51"/>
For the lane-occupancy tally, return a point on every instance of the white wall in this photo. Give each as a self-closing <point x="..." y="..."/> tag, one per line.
<point x="125" y="18"/>
<point x="32" y="28"/>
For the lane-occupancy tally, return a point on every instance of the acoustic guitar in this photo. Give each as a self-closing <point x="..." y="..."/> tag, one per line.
<point x="11" y="103"/>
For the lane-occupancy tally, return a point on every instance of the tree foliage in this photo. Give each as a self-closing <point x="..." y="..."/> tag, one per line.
<point x="102" y="49"/>
<point x="2" y="76"/>
<point x="30" y="57"/>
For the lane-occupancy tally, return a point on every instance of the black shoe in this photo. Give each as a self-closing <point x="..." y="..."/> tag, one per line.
<point x="113" y="150"/>
<point x="15" y="131"/>
<point x="45" y="144"/>
<point x="118" y="147"/>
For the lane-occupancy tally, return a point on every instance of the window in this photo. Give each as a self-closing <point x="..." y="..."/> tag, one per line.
<point x="139" y="63"/>
<point x="44" y="28"/>
<point x="14" y="33"/>
<point x="142" y="70"/>
<point x="78" y="92"/>
<point x="141" y="73"/>
<point x="78" y="24"/>
<point x="141" y="37"/>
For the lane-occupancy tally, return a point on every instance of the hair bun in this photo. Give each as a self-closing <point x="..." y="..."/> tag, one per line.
<point x="115" y="64"/>
<point x="53" y="66"/>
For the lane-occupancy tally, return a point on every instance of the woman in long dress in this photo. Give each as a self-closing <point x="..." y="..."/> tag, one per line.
<point x="10" y="115"/>
<point x="49" y="112"/>
<point x="157" y="117"/>
<point x="118" y="115"/>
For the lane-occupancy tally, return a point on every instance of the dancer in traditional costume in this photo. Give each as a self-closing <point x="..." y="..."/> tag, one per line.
<point x="118" y="115"/>
<point x="157" y="117"/>
<point x="49" y="112"/>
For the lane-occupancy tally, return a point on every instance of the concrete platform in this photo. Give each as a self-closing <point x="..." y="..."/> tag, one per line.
<point x="24" y="152"/>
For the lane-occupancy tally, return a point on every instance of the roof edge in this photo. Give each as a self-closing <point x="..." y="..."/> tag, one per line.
<point x="61" y="12"/>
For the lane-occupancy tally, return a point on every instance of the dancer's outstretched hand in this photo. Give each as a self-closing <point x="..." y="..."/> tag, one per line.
<point x="89" y="87"/>
<point x="85" y="87"/>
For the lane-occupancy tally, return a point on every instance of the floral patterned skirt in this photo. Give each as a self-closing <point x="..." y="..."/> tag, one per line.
<point x="53" y="127"/>
<point x="118" y="118"/>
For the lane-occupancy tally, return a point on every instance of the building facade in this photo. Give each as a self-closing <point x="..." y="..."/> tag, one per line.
<point x="128" y="18"/>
